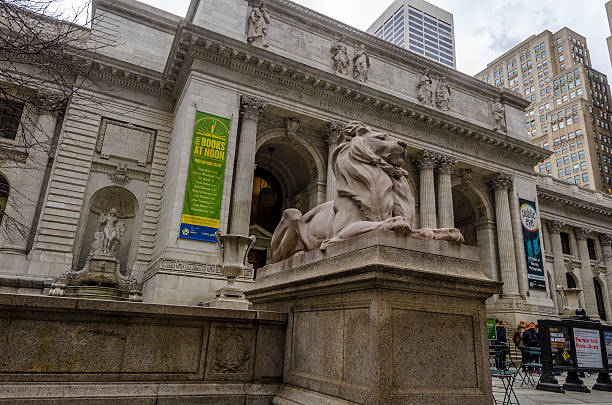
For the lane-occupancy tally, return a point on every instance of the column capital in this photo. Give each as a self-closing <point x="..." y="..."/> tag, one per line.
<point x="581" y="232"/>
<point x="331" y="132"/>
<point x="251" y="107"/>
<point x="605" y="239"/>
<point x="446" y="164"/>
<point x="426" y="159"/>
<point x="502" y="181"/>
<point x="554" y="225"/>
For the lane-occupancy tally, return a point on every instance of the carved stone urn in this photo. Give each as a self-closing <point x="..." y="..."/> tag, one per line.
<point x="233" y="250"/>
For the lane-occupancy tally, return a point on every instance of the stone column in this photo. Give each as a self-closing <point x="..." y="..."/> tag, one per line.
<point x="606" y="246"/>
<point x="586" y="274"/>
<point x="250" y="109"/>
<point x="505" y="239"/>
<point x="554" y="229"/>
<point x="426" y="161"/>
<point x="330" y="134"/>
<point x="446" y="218"/>
<point x="519" y="248"/>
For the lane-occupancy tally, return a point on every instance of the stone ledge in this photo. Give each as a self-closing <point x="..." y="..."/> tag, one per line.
<point x="37" y="302"/>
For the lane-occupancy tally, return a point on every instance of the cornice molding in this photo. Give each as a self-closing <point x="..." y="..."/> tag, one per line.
<point x="557" y="197"/>
<point x="195" y="42"/>
<point x="378" y="46"/>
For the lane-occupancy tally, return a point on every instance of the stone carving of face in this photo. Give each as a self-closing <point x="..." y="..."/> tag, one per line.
<point x="390" y="149"/>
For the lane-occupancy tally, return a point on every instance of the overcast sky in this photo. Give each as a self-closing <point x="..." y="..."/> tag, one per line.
<point x="484" y="29"/>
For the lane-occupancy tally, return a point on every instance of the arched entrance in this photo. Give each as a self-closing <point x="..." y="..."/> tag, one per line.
<point x="127" y="209"/>
<point x="599" y="298"/>
<point x="474" y="216"/>
<point x="290" y="173"/>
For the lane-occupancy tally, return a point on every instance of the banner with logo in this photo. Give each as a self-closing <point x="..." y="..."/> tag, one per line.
<point x="204" y="190"/>
<point x="531" y="241"/>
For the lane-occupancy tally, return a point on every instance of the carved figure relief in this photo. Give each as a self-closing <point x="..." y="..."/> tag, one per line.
<point x="120" y="176"/>
<point x="257" y="26"/>
<point x="424" y="88"/>
<point x="232" y="351"/>
<point x="361" y="64"/>
<point x="112" y="231"/>
<point x="372" y="192"/>
<point x="443" y="94"/>
<point x="339" y="56"/>
<point x="499" y="116"/>
<point x="291" y="126"/>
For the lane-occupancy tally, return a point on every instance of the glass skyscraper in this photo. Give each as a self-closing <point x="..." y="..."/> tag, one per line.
<point x="420" y="27"/>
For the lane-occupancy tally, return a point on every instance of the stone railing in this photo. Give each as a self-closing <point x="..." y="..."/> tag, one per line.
<point x="93" y="351"/>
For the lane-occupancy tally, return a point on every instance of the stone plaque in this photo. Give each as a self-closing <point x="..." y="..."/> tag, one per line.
<point x="126" y="141"/>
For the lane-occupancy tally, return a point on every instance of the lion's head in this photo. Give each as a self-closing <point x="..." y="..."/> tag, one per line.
<point x="368" y="165"/>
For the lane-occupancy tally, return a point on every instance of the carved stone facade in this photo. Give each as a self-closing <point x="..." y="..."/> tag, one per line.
<point x="281" y="74"/>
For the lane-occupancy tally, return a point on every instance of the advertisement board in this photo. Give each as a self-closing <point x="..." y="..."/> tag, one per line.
<point x="588" y="348"/>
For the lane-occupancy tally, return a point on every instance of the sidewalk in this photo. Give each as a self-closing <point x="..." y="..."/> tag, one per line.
<point x="530" y="396"/>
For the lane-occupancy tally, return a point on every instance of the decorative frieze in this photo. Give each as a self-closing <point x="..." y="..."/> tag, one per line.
<point x="426" y="95"/>
<point x="120" y="173"/>
<point x="182" y="266"/>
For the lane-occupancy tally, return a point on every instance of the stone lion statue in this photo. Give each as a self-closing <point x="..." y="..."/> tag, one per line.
<point x="372" y="192"/>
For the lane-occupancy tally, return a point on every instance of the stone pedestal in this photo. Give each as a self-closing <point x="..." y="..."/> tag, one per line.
<point x="382" y="318"/>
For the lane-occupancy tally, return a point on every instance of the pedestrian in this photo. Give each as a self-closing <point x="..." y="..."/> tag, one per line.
<point x="500" y="358"/>
<point x="517" y="338"/>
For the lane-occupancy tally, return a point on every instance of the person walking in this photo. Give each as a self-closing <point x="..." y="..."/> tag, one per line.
<point x="517" y="338"/>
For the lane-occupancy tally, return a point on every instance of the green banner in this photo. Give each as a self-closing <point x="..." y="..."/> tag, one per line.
<point x="491" y="331"/>
<point x="204" y="191"/>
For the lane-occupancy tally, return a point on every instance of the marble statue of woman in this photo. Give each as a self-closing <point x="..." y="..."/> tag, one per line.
<point x="112" y="231"/>
<point x="361" y="64"/>
<point x="443" y="94"/>
<point x="340" y="58"/>
<point x="258" y="26"/>
<point x="425" y="93"/>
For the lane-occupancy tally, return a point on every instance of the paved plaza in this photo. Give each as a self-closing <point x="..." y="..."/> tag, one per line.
<point x="531" y="396"/>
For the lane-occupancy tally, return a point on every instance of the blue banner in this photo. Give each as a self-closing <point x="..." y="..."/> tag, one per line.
<point x="533" y="248"/>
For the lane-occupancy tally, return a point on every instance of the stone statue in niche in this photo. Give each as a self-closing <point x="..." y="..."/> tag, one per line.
<point x="361" y="64"/>
<point x="499" y="116"/>
<point x="443" y="95"/>
<point x="372" y="192"/>
<point x="339" y="56"/>
<point x="112" y="232"/>
<point x="424" y="88"/>
<point x="257" y="27"/>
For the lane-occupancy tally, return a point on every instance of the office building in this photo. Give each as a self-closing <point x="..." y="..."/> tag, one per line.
<point x="609" y="39"/>
<point x="569" y="112"/>
<point x="420" y="27"/>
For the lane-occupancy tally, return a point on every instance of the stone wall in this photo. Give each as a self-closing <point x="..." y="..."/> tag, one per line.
<point x="136" y="353"/>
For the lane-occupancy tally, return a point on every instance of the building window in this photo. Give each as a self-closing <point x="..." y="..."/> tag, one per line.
<point x="565" y="243"/>
<point x="10" y="115"/>
<point x="591" y="247"/>
<point x="571" y="282"/>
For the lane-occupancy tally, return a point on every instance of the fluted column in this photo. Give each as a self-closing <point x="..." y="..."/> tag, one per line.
<point x="606" y="241"/>
<point x="586" y="274"/>
<point x="250" y="109"/>
<point x="554" y="229"/>
<point x="446" y="218"/>
<point x="505" y="239"/>
<point x="426" y="161"/>
<point x="330" y="135"/>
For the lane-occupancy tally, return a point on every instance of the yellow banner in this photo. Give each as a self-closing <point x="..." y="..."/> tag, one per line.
<point x="199" y="221"/>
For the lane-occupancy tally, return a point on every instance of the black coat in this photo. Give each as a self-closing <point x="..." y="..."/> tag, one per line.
<point x="531" y="338"/>
<point x="501" y="335"/>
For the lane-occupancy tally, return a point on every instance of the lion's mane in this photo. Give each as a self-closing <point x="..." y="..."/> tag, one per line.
<point x="357" y="167"/>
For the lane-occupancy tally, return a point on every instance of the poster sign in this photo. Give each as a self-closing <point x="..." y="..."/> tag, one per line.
<point x="531" y="241"/>
<point x="560" y="346"/>
<point x="491" y="331"/>
<point x="607" y="334"/>
<point x="204" y="190"/>
<point x="588" y="348"/>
